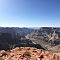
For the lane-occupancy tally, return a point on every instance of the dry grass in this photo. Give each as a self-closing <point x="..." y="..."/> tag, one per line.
<point x="20" y="49"/>
<point x="34" y="49"/>
<point x="1" y="58"/>
<point x="27" y="53"/>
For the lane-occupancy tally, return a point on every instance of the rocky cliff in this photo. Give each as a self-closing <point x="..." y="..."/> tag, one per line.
<point x="47" y="37"/>
<point x="11" y="37"/>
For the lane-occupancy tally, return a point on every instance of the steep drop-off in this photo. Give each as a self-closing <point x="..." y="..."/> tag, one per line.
<point x="47" y="37"/>
<point x="10" y="37"/>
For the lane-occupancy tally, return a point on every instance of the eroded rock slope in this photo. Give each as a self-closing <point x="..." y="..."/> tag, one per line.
<point x="47" y="37"/>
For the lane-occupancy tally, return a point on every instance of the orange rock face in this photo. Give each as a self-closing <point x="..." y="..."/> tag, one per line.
<point x="29" y="53"/>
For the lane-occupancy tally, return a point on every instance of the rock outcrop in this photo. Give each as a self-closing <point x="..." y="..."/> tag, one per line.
<point x="47" y="37"/>
<point x="28" y="53"/>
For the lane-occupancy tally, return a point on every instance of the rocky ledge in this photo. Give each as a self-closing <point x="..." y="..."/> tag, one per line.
<point x="28" y="53"/>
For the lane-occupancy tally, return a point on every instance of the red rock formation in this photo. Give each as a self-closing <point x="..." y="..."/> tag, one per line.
<point x="28" y="53"/>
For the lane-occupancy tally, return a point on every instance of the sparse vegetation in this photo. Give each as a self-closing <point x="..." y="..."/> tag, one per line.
<point x="27" y="53"/>
<point x="34" y="49"/>
<point x="1" y="58"/>
<point x="8" y="50"/>
<point x="19" y="49"/>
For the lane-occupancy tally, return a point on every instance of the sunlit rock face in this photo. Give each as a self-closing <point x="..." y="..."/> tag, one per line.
<point x="28" y="53"/>
<point x="47" y="37"/>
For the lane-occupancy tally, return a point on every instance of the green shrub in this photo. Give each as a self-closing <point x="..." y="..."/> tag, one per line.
<point x="8" y="51"/>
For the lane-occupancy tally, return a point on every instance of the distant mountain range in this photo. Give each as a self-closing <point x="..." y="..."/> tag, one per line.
<point x="16" y="30"/>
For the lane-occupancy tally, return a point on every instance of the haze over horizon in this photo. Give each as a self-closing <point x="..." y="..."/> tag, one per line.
<point x="30" y="13"/>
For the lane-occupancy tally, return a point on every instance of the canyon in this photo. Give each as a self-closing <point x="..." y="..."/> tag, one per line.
<point x="30" y="44"/>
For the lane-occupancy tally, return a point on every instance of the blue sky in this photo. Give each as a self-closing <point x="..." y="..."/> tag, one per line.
<point x="30" y="13"/>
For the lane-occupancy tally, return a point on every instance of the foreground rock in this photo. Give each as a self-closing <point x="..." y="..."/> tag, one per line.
<point x="28" y="53"/>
